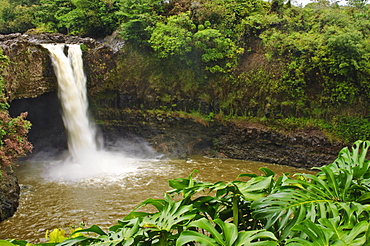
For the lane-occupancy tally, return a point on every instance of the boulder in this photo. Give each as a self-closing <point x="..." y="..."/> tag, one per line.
<point x="9" y="195"/>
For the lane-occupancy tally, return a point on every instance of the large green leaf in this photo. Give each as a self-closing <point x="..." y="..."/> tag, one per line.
<point x="283" y="210"/>
<point x="226" y="235"/>
<point x="256" y="238"/>
<point x="318" y="235"/>
<point x="6" y="243"/>
<point x="351" y="235"/>
<point x="95" y="229"/>
<point x="173" y="215"/>
<point x="193" y="236"/>
<point x="113" y="238"/>
<point x="330" y="232"/>
<point x="255" y="188"/>
<point x="344" y="179"/>
<point x="75" y="241"/>
<point x="125" y="236"/>
<point x="182" y="183"/>
<point x="157" y="203"/>
<point x="24" y="243"/>
<point x="189" y="186"/>
<point x="354" y="161"/>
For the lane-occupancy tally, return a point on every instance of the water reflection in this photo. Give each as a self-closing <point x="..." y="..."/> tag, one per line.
<point x="45" y="205"/>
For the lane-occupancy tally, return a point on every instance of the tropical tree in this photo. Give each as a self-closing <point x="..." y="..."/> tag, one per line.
<point x="137" y="16"/>
<point x="78" y="17"/>
<point x="48" y="13"/>
<point x="15" y="18"/>
<point x="174" y="37"/>
<point x="90" y="18"/>
<point x="357" y="3"/>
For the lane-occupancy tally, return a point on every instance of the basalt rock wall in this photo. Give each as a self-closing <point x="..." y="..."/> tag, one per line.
<point x="180" y="137"/>
<point x="303" y="148"/>
<point x="30" y="74"/>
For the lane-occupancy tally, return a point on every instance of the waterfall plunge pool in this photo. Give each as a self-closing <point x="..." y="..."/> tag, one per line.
<point x="46" y="204"/>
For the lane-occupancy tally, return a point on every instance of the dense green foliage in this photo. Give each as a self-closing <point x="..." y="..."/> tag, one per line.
<point x="13" y="131"/>
<point x="328" y="208"/>
<point x="79" y="17"/>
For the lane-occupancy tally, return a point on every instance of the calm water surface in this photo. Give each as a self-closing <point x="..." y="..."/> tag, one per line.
<point x="45" y="204"/>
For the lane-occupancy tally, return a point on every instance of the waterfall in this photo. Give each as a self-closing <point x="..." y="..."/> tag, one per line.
<point x="73" y="96"/>
<point x="85" y="160"/>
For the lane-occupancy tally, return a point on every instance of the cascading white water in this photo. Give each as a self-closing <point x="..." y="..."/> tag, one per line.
<point x="73" y="97"/>
<point x="84" y="160"/>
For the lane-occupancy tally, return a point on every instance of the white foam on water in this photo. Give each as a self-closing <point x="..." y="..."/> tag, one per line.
<point x="92" y="165"/>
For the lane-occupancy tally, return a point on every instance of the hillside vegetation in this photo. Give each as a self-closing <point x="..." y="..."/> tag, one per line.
<point x="267" y="60"/>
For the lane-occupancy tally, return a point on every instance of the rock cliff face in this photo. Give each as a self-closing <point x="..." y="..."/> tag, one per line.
<point x="180" y="137"/>
<point x="30" y="72"/>
<point x="304" y="149"/>
<point x="31" y="86"/>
